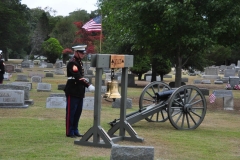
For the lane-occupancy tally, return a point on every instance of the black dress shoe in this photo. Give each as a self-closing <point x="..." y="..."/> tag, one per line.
<point x="71" y="136"/>
<point x="78" y="135"/>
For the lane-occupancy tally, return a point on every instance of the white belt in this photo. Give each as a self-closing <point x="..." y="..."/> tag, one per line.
<point x="71" y="78"/>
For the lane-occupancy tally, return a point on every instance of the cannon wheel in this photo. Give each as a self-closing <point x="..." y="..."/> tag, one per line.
<point x="187" y="108"/>
<point x="148" y="98"/>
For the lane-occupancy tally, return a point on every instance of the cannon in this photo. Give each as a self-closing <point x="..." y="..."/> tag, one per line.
<point x="185" y="107"/>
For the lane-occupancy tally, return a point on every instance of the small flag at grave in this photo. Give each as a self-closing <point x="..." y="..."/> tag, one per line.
<point x="237" y="87"/>
<point x="212" y="98"/>
<point x="228" y="86"/>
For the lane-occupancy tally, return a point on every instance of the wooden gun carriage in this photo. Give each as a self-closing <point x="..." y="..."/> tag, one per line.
<point x="185" y="107"/>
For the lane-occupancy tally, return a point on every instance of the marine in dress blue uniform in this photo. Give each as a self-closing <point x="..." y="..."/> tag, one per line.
<point x="75" y="91"/>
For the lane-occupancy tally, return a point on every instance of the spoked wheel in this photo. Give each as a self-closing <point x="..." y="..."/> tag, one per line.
<point x="187" y="108"/>
<point x="148" y="97"/>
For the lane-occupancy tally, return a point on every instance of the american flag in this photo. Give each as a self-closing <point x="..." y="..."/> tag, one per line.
<point x="237" y="87"/>
<point x="212" y="98"/>
<point x="228" y="86"/>
<point x="94" y="24"/>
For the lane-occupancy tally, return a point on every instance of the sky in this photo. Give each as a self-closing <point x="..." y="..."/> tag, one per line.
<point x="63" y="7"/>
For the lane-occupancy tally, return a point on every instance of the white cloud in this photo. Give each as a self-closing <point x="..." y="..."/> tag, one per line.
<point x="63" y="7"/>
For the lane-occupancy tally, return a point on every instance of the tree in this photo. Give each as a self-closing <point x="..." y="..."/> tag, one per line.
<point x="52" y="49"/>
<point x="86" y="37"/>
<point x="182" y="30"/>
<point x="140" y="65"/>
<point x="14" y="28"/>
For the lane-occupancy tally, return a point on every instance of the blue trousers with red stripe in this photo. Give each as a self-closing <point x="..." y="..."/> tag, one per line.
<point x="73" y="113"/>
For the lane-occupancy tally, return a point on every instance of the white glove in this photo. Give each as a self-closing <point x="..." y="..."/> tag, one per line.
<point x="91" y="88"/>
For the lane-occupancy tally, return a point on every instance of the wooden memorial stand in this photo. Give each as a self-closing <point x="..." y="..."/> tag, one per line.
<point x="96" y="135"/>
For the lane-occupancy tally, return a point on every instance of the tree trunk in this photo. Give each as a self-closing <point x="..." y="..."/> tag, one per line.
<point x="161" y="76"/>
<point x="154" y="73"/>
<point x="178" y="74"/>
<point x="139" y="76"/>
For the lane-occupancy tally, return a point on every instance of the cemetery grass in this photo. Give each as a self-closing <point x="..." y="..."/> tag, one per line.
<point x="39" y="133"/>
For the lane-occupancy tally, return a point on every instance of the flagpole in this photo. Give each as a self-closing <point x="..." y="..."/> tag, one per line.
<point x="101" y="36"/>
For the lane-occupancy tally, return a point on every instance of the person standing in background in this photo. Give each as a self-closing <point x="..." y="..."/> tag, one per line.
<point x="75" y="91"/>
<point x="2" y="68"/>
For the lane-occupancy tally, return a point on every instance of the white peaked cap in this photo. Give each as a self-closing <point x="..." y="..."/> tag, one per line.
<point x="79" y="47"/>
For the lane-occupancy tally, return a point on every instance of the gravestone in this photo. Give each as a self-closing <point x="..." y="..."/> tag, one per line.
<point x="49" y="65"/>
<point x="22" y="77"/>
<point x="27" y="84"/>
<point x="16" y="87"/>
<point x="12" y="99"/>
<point x="229" y="72"/>
<point x="25" y="64"/>
<point x="148" y="78"/>
<point x="88" y="103"/>
<point x="19" y="70"/>
<point x="197" y="81"/>
<point x="211" y="73"/>
<point x="59" y="71"/>
<point x="238" y="63"/>
<point x="61" y="86"/>
<point x="48" y="74"/>
<point x="184" y="79"/>
<point x="116" y="103"/>
<point x="120" y="152"/>
<point x="45" y="87"/>
<point x="43" y="64"/>
<point x="40" y="74"/>
<point x="206" y="81"/>
<point x="56" y="102"/>
<point x="227" y="96"/>
<point x="9" y="68"/>
<point x="36" y="79"/>
<point x="233" y="80"/>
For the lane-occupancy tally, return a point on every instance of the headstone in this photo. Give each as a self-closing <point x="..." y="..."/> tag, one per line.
<point x="45" y="87"/>
<point x="88" y="103"/>
<point x="148" y="78"/>
<point x="238" y="63"/>
<point x="49" y="74"/>
<point x="218" y="82"/>
<point x="229" y="72"/>
<point x="120" y="152"/>
<point x="49" y="65"/>
<point x="40" y="74"/>
<point x="197" y="81"/>
<point x="184" y="79"/>
<point x="233" y="80"/>
<point x="16" y="87"/>
<point x="22" y="77"/>
<point x="131" y="80"/>
<point x="25" y="64"/>
<point x="211" y="71"/>
<point x="116" y="103"/>
<point x="56" y="102"/>
<point x="59" y="71"/>
<point x="227" y="96"/>
<point x="9" y="68"/>
<point x="206" y="81"/>
<point x="36" y="79"/>
<point x="61" y="86"/>
<point x="27" y="84"/>
<point x="19" y="70"/>
<point x="12" y="99"/>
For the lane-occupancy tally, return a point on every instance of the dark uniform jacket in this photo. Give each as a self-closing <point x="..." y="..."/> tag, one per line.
<point x="74" y="86"/>
<point x="2" y="70"/>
